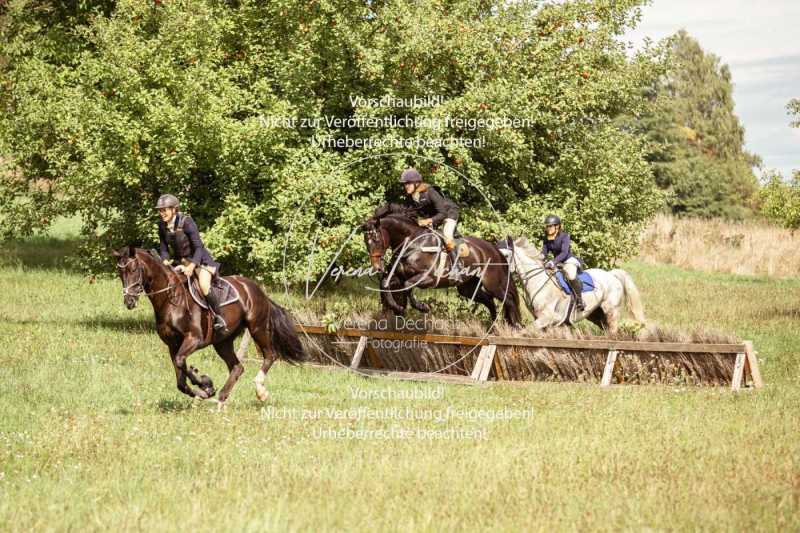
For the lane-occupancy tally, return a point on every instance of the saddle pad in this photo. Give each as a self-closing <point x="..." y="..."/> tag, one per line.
<point x="461" y="245"/>
<point x="586" y="279"/>
<point x="223" y="289"/>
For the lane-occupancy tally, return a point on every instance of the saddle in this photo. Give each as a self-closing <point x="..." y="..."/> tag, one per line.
<point x="461" y="246"/>
<point x="586" y="280"/>
<point x="223" y="289"/>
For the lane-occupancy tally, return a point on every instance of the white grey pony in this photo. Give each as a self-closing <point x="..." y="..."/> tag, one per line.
<point x="550" y="304"/>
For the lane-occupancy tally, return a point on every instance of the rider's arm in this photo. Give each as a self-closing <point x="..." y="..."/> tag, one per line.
<point x="565" y="248"/>
<point x="444" y="207"/>
<point x="191" y="231"/>
<point x="163" y="249"/>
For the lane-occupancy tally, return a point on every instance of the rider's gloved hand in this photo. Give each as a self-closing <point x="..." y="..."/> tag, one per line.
<point x="550" y="265"/>
<point x="187" y="270"/>
<point x="167" y="262"/>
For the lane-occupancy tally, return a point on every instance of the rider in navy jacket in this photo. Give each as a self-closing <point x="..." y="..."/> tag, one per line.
<point x="557" y="242"/>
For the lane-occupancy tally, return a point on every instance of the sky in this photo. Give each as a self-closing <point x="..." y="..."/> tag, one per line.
<point x="760" y="41"/>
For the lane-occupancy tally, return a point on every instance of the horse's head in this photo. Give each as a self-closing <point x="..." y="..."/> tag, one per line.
<point x="507" y="250"/>
<point x="377" y="241"/>
<point x="515" y="250"/>
<point x="131" y="272"/>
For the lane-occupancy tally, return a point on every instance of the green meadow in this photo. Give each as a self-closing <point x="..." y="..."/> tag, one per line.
<point x="94" y="435"/>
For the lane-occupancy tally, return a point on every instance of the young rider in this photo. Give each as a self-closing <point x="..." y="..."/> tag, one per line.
<point x="557" y="242"/>
<point x="179" y="235"/>
<point x="434" y="210"/>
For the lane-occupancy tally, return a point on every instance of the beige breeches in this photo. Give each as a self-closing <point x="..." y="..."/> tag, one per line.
<point x="204" y="274"/>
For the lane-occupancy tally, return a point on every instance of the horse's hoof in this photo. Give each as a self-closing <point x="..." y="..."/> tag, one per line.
<point x="262" y="394"/>
<point x="423" y="308"/>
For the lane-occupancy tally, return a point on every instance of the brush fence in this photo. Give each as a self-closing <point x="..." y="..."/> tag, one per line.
<point x="461" y="359"/>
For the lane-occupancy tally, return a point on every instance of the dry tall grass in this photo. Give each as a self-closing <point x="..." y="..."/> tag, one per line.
<point x="716" y="245"/>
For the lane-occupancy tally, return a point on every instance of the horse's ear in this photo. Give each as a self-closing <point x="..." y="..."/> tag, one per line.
<point x="115" y="254"/>
<point x="131" y="250"/>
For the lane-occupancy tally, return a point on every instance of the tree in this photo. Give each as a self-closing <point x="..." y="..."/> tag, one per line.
<point x="181" y="96"/>
<point x="781" y="199"/>
<point x="696" y="142"/>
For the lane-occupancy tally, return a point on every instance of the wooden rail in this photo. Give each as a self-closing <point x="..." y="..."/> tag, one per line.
<point x="746" y="359"/>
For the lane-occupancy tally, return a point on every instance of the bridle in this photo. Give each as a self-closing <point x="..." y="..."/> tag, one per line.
<point x="374" y="233"/>
<point x="127" y="289"/>
<point x="525" y="276"/>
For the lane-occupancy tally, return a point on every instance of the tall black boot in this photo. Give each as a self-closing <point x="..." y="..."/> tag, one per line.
<point x="454" y="274"/>
<point x="577" y="289"/>
<point x="213" y="304"/>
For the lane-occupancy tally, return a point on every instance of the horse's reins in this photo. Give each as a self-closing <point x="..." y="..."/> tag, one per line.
<point x="126" y="289"/>
<point x="525" y="276"/>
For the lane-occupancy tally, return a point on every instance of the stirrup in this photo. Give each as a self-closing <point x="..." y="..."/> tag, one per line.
<point x="219" y="323"/>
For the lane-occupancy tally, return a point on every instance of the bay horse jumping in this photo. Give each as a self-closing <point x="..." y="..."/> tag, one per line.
<point x="185" y="327"/>
<point x="415" y="254"/>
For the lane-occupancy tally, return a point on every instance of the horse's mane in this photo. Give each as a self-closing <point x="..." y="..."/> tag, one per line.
<point x="395" y="210"/>
<point x="529" y="249"/>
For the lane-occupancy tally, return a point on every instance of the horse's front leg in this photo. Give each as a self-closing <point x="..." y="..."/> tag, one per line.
<point x="182" y="371"/>
<point x="416" y="304"/>
<point x="387" y="296"/>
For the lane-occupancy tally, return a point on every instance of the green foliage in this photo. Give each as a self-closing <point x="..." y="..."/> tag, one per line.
<point x="696" y="142"/>
<point x="108" y="107"/>
<point x="780" y="200"/>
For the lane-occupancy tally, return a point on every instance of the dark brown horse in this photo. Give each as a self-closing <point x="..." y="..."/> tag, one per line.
<point x="185" y="327"/>
<point x="485" y="271"/>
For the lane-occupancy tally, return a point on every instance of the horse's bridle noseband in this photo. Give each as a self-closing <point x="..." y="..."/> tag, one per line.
<point x="126" y="290"/>
<point x="376" y="231"/>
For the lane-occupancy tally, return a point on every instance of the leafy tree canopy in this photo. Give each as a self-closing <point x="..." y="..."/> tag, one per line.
<point x="106" y="105"/>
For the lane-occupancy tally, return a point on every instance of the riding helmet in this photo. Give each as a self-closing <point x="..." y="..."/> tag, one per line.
<point x="410" y="175"/>
<point x="166" y="200"/>
<point x="552" y="220"/>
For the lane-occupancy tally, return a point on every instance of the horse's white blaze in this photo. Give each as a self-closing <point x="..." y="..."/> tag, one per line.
<point x="548" y="302"/>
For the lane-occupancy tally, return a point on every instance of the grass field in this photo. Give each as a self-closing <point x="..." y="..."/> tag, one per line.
<point x="95" y="435"/>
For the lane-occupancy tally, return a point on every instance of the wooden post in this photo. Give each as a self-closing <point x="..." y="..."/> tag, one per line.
<point x="752" y="364"/>
<point x="362" y="343"/>
<point x="484" y="362"/>
<point x="738" y="371"/>
<point x="242" y="350"/>
<point x="608" y="371"/>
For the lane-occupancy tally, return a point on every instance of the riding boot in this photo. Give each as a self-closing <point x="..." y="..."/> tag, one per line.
<point x="454" y="274"/>
<point x="213" y="305"/>
<point x="577" y="289"/>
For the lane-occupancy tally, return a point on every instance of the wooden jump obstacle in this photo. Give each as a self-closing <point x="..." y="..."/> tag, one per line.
<point x="495" y="354"/>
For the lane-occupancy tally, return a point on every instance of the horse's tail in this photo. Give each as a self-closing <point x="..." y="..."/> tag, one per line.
<point x="632" y="296"/>
<point x="284" y="338"/>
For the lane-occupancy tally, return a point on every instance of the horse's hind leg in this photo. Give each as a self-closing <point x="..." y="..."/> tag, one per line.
<point x="227" y="352"/>
<point x="263" y="341"/>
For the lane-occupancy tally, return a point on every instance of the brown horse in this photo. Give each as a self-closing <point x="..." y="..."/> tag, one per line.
<point x="185" y="327"/>
<point x="485" y="271"/>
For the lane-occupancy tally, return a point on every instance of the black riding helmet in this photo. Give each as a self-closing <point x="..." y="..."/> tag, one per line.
<point x="552" y="220"/>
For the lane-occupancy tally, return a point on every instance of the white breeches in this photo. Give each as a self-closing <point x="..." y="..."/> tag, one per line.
<point x="448" y="229"/>
<point x="570" y="268"/>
